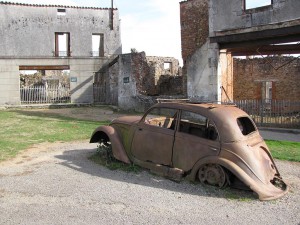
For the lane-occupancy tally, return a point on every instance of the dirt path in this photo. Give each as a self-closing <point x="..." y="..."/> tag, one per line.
<point x="57" y="184"/>
<point x="93" y="113"/>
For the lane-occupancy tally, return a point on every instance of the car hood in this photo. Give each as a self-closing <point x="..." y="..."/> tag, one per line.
<point x="127" y="120"/>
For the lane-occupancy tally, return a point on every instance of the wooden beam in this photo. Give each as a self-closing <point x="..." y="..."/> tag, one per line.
<point x="45" y="67"/>
<point x="266" y="50"/>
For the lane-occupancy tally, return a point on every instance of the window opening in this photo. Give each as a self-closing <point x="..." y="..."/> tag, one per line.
<point x="44" y="86"/>
<point x="61" y="12"/>
<point x="267" y="91"/>
<point x="98" y="45"/>
<point x="167" y="65"/>
<point x="62" y="44"/>
<point x="251" y="4"/>
<point x="126" y="80"/>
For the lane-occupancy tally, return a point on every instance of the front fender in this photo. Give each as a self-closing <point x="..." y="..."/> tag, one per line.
<point x="118" y="150"/>
<point x="265" y="191"/>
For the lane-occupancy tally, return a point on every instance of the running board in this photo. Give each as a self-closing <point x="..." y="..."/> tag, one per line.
<point x="174" y="174"/>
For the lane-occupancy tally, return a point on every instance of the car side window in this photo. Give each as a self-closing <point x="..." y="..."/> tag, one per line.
<point x="197" y="125"/>
<point x="162" y="117"/>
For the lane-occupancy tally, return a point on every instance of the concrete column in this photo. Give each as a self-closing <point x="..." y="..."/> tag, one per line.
<point x="9" y="82"/>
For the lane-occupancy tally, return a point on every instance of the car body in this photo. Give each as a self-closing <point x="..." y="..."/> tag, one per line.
<point x="213" y="143"/>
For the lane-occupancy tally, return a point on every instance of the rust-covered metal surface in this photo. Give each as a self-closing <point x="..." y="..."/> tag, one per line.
<point x="215" y="144"/>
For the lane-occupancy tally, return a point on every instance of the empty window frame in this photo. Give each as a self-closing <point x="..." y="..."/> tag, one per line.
<point x="251" y="4"/>
<point x="167" y="66"/>
<point x="62" y="44"/>
<point x="98" y="45"/>
<point x="61" y="12"/>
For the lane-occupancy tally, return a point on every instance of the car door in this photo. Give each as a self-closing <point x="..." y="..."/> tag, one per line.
<point x="154" y="136"/>
<point x="196" y="138"/>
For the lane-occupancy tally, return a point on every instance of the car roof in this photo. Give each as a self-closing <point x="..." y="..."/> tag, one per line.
<point x="193" y="106"/>
<point x="224" y="116"/>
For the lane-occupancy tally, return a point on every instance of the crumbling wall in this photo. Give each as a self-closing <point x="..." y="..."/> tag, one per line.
<point x="194" y="26"/>
<point x="199" y="56"/>
<point x="141" y="77"/>
<point x="163" y="66"/>
<point x="250" y="74"/>
<point x="169" y="85"/>
<point x="145" y="83"/>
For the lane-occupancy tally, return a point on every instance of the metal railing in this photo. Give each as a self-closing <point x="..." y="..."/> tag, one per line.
<point x="44" y="95"/>
<point x="272" y="113"/>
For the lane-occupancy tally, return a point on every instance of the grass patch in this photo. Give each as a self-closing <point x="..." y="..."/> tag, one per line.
<point x="285" y="150"/>
<point x="21" y="129"/>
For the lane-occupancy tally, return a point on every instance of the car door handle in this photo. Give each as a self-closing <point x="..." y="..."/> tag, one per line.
<point x="212" y="148"/>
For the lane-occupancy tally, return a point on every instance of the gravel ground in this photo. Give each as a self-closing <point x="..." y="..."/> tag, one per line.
<point x="57" y="184"/>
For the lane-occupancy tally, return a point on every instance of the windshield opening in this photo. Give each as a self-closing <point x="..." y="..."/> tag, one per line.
<point x="246" y="125"/>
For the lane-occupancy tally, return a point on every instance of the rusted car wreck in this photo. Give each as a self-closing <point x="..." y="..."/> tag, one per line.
<point x="215" y="144"/>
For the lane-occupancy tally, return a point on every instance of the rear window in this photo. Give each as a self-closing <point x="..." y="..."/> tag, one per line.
<point x="246" y="125"/>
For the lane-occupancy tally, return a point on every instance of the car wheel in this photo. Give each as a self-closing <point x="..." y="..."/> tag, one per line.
<point x="213" y="174"/>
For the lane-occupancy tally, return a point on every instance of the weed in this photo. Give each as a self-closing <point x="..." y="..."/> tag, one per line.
<point x="104" y="157"/>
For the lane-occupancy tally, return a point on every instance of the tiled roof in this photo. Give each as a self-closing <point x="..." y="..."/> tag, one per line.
<point x="56" y="6"/>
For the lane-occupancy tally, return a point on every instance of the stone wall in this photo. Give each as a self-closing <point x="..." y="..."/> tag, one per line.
<point x="250" y="76"/>
<point x="169" y="85"/>
<point x="29" y="30"/>
<point x="29" y="36"/>
<point x="194" y="26"/>
<point x="145" y="83"/>
<point x="163" y="66"/>
<point x="232" y="18"/>
<point x="141" y="77"/>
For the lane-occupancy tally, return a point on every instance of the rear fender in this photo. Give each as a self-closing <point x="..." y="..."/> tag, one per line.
<point x="265" y="191"/>
<point x="108" y="132"/>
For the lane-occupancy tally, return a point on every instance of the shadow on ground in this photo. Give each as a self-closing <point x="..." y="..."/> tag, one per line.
<point x="78" y="160"/>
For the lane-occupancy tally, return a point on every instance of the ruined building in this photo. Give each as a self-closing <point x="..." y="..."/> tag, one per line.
<point x="77" y="50"/>
<point x="56" y="37"/>
<point x="218" y="40"/>
<point x="134" y="80"/>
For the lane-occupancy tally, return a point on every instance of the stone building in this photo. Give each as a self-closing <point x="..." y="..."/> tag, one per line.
<point x="214" y="33"/>
<point x="54" y="37"/>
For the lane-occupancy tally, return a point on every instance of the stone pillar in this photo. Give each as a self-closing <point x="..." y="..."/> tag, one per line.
<point x="203" y="80"/>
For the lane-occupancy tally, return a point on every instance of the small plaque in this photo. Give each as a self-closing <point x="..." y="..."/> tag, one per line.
<point x="73" y="79"/>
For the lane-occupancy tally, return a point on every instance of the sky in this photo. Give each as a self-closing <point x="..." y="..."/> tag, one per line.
<point x="152" y="26"/>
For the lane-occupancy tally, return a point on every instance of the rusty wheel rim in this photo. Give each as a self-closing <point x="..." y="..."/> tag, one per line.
<point x="213" y="175"/>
